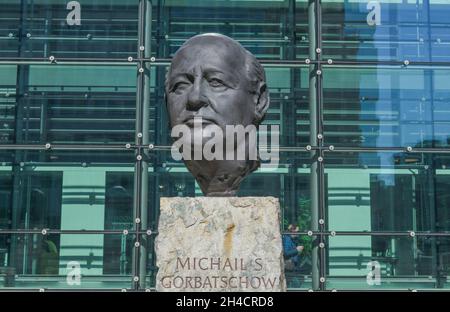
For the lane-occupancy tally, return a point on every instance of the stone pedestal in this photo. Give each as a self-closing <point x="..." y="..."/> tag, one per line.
<point x="219" y="244"/>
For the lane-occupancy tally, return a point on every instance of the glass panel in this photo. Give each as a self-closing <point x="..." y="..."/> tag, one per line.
<point x="412" y="30"/>
<point x="69" y="261"/>
<point x="386" y="106"/>
<point x="95" y="29"/>
<point x="75" y="104"/>
<point x="9" y="19"/>
<point x="269" y="29"/>
<point x="388" y="262"/>
<point x="8" y="75"/>
<point x="57" y="192"/>
<point x="387" y="191"/>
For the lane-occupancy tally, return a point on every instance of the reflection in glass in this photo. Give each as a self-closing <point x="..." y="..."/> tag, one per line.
<point x="8" y="75"/>
<point x="106" y="29"/>
<point x="386" y="107"/>
<point x="76" y="104"/>
<point x="268" y="29"/>
<point x="74" y="261"/>
<point x="386" y="30"/>
<point x="387" y="191"/>
<point x="396" y="262"/>
<point x="57" y="193"/>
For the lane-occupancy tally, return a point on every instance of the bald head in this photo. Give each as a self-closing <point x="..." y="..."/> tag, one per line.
<point x="221" y="45"/>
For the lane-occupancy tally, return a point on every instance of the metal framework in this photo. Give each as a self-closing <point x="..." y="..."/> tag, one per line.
<point x="146" y="151"/>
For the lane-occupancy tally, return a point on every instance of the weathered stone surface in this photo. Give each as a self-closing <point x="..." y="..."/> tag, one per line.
<point x="219" y="244"/>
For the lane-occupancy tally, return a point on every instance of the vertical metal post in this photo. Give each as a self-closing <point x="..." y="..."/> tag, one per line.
<point x="145" y="141"/>
<point x="288" y="118"/>
<point x="313" y="139"/>
<point x="430" y="160"/>
<point x="430" y="182"/>
<point x="141" y="140"/>
<point x="320" y="130"/>
<point x="160" y="122"/>
<point x="21" y="99"/>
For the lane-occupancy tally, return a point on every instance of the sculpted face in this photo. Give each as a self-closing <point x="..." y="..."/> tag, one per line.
<point x="207" y="80"/>
<point x="215" y="78"/>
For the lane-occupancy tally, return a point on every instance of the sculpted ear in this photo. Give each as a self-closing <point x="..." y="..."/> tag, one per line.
<point x="261" y="102"/>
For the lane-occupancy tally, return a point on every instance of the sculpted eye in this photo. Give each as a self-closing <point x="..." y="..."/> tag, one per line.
<point x="214" y="82"/>
<point x="179" y="86"/>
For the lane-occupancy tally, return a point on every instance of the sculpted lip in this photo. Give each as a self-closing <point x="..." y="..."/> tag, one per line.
<point x="204" y="121"/>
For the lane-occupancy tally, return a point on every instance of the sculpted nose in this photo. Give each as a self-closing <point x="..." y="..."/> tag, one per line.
<point x="196" y="98"/>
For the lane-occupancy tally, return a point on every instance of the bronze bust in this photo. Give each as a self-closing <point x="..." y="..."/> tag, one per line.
<point x="215" y="79"/>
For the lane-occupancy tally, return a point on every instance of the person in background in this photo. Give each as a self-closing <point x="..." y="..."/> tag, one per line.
<point x="292" y="251"/>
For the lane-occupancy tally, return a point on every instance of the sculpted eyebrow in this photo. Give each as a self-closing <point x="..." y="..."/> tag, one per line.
<point x="230" y="78"/>
<point x="186" y="76"/>
<point x="173" y="79"/>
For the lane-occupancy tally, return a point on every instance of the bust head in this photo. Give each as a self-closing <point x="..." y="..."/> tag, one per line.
<point x="214" y="78"/>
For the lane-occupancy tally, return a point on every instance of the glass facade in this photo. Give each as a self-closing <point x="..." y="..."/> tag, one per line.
<point x="360" y="91"/>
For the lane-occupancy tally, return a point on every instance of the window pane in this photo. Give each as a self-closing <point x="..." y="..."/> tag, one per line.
<point x="69" y="261"/>
<point x="64" y="104"/>
<point x="269" y="29"/>
<point x="386" y="106"/>
<point x="9" y="19"/>
<point x="396" y="262"/>
<point x="386" y="30"/>
<point x="387" y="191"/>
<point x="102" y="29"/>
<point x="68" y="190"/>
<point x="8" y="75"/>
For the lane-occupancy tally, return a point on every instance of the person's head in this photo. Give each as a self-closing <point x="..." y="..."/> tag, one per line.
<point x="293" y="229"/>
<point x="212" y="76"/>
